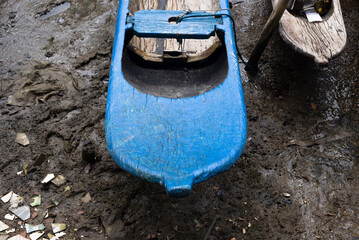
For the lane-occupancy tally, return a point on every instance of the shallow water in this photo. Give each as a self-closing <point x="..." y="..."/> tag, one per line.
<point x="56" y="10"/>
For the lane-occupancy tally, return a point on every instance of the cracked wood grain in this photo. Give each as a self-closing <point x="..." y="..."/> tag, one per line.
<point x="319" y="40"/>
<point x="152" y="49"/>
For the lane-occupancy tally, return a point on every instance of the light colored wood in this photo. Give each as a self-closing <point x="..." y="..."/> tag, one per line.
<point x="152" y="49"/>
<point x="319" y="40"/>
<point x="145" y="45"/>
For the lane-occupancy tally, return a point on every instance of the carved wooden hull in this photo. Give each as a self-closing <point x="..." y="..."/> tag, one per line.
<point x="319" y="40"/>
<point x="176" y="122"/>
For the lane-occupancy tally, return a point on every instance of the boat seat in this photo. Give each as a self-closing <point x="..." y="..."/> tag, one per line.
<point x="158" y="24"/>
<point x="198" y="38"/>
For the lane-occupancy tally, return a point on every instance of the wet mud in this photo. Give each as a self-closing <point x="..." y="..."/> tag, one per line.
<point x="297" y="177"/>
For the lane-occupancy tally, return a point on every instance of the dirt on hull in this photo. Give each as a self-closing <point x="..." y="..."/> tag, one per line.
<point x="297" y="178"/>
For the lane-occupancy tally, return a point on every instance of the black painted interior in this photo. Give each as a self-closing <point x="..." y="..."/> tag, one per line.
<point x="175" y="79"/>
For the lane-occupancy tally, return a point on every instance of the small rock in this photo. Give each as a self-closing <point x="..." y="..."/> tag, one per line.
<point x="58" y="227"/>
<point x="7" y="197"/>
<point x="9" y="217"/>
<point x="58" y="235"/>
<point x="3" y="226"/>
<point x="17" y="237"/>
<point x="286" y="194"/>
<point x="48" y="178"/>
<point x="59" y="180"/>
<point x="35" y="236"/>
<point x="49" y="235"/>
<point x="10" y="231"/>
<point x="4" y="237"/>
<point x="15" y="200"/>
<point x="86" y="198"/>
<point x="22" y="139"/>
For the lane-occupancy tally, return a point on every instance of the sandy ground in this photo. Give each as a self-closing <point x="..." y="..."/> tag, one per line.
<point x="297" y="178"/>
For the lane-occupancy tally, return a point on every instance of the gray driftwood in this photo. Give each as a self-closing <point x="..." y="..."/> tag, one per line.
<point x="320" y="40"/>
<point x="152" y="49"/>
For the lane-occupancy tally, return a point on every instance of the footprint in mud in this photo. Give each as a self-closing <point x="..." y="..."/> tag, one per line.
<point x="42" y="82"/>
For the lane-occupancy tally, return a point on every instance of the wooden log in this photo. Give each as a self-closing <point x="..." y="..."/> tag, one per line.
<point x="318" y="40"/>
<point x="155" y="49"/>
<point x="268" y="29"/>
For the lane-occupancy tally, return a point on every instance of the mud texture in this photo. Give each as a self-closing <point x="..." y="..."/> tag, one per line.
<point x="297" y="178"/>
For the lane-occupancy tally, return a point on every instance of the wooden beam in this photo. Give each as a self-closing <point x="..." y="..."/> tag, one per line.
<point x="153" y="49"/>
<point x="262" y="43"/>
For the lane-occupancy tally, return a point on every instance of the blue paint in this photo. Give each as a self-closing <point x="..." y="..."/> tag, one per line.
<point x="175" y="142"/>
<point x="194" y="28"/>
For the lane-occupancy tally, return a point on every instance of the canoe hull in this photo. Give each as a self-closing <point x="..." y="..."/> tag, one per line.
<point x="176" y="142"/>
<point x="320" y="41"/>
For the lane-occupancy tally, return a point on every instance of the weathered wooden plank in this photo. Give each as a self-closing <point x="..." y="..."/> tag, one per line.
<point x="318" y="40"/>
<point x="195" y="28"/>
<point x="151" y="49"/>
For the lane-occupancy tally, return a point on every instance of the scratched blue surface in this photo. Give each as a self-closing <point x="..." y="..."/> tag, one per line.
<point x="175" y="142"/>
<point x="195" y="28"/>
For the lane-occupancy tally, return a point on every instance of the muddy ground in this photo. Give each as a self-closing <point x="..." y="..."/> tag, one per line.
<point x="297" y="177"/>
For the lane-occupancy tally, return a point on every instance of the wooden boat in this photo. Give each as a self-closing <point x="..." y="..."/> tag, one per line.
<point x="175" y="110"/>
<point x="318" y="40"/>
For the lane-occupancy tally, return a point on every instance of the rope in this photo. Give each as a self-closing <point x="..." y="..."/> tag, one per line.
<point x="180" y="19"/>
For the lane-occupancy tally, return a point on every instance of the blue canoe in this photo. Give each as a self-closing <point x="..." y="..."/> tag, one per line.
<point x="163" y="127"/>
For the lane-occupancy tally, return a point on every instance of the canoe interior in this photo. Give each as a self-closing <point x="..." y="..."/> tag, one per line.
<point x="155" y="49"/>
<point x="175" y="78"/>
<point x="324" y="17"/>
<point x="163" y="67"/>
<point x="320" y="41"/>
